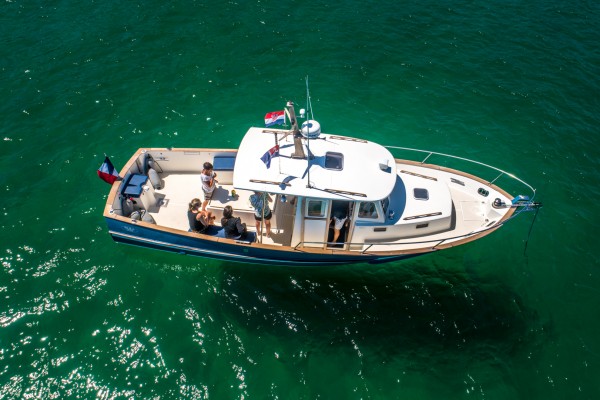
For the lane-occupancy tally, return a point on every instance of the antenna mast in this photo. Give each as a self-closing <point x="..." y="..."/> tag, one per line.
<point x="308" y="112"/>
<point x="308" y="103"/>
<point x="298" y="149"/>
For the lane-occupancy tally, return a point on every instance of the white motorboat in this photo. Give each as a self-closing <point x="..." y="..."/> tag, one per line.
<point x="389" y="208"/>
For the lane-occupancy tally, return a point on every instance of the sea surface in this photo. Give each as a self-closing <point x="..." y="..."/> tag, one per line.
<point x="514" y="84"/>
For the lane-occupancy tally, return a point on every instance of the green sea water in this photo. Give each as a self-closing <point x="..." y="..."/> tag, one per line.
<point x="509" y="83"/>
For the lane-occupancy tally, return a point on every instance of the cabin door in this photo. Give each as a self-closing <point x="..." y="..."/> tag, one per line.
<point x="339" y="226"/>
<point x="315" y="225"/>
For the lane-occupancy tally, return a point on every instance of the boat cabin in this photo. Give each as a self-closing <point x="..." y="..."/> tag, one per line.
<point x="346" y="178"/>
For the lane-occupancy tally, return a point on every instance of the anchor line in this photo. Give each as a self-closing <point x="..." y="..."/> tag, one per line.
<point x="537" y="207"/>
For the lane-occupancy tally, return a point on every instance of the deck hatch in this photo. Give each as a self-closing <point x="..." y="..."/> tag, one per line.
<point x="334" y="161"/>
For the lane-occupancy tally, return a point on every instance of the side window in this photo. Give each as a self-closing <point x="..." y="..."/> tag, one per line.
<point x="385" y="204"/>
<point x="367" y="210"/>
<point x="315" y="208"/>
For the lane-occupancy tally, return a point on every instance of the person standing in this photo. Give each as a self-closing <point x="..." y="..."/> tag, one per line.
<point x="338" y="223"/>
<point x="209" y="182"/>
<point x="260" y="202"/>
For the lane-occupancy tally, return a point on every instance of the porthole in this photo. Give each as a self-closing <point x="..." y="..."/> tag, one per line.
<point x="421" y="194"/>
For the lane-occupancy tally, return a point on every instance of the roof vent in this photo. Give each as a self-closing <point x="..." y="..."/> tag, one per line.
<point x="385" y="166"/>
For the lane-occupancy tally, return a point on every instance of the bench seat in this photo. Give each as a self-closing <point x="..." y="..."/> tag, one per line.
<point x="218" y="231"/>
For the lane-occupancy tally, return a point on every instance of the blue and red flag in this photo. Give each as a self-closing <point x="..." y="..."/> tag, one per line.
<point x="272" y="152"/>
<point x="275" y="118"/>
<point x="107" y="172"/>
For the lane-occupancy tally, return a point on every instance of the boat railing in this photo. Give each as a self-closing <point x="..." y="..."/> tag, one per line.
<point x="489" y="170"/>
<point x="494" y="172"/>
<point x="510" y="183"/>
<point x="422" y="243"/>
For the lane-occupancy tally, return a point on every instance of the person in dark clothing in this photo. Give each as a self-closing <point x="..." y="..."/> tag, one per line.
<point x="233" y="226"/>
<point x="199" y="220"/>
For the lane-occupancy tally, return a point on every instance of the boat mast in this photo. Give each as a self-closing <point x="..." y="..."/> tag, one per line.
<point x="308" y="103"/>
<point x="308" y="110"/>
<point x="298" y="148"/>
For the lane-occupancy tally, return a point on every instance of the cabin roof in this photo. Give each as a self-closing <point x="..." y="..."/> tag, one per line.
<point x="361" y="178"/>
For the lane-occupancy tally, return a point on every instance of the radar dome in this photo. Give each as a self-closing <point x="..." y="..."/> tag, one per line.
<point x="311" y="129"/>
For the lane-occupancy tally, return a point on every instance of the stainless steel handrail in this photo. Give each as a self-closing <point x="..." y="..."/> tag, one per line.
<point x="395" y="243"/>
<point x="502" y="172"/>
<point x="438" y="242"/>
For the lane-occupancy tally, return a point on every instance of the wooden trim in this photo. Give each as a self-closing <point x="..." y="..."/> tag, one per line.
<point x="277" y="131"/>
<point x="350" y="139"/>
<point x="419" y="175"/>
<point x="335" y="191"/>
<point x="270" y="182"/>
<point x="422" y="216"/>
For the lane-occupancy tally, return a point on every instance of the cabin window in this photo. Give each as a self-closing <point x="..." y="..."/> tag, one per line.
<point x="367" y="209"/>
<point x="421" y="194"/>
<point x="315" y="208"/>
<point x="385" y="204"/>
<point x="334" y="161"/>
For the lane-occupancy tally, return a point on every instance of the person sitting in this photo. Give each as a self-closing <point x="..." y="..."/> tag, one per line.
<point x="233" y="226"/>
<point x="209" y="182"/>
<point x="261" y="209"/>
<point x="199" y="220"/>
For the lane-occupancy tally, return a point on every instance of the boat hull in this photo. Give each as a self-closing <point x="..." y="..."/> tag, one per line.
<point x="143" y="236"/>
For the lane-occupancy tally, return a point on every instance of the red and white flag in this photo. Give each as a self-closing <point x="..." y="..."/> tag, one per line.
<point x="107" y="172"/>
<point x="275" y="118"/>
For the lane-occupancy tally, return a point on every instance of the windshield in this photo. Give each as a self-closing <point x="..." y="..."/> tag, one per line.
<point x="385" y="203"/>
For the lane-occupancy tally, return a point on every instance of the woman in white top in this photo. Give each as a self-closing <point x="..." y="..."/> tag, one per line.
<point x="208" y="177"/>
<point x="338" y="224"/>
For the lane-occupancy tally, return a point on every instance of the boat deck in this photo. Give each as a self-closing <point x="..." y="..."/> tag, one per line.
<point x="179" y="189"/>
<point x="465" y="220"/>
<point x="459" y="207"/>
<point x="469" y="214"/>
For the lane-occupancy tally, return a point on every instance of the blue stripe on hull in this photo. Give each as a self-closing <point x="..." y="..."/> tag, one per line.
<point x="144" y="237"/>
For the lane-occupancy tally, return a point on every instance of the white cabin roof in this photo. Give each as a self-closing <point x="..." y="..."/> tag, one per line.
<point x="361" y="178"/>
